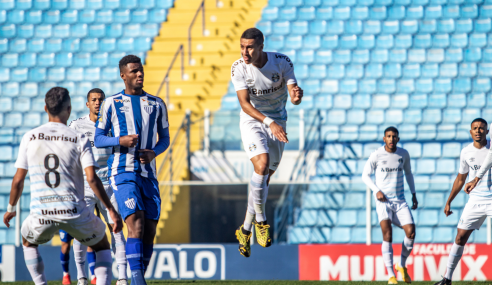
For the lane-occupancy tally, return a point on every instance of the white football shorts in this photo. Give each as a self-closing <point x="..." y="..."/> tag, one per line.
<point x="88" y="229"/>
<point x="258" y="138"/>
<point x="91" y="201"/>
<point x="474" y="215"/>
<point x="398" y="213"/>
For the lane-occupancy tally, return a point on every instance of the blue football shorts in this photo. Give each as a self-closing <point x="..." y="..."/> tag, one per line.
<point x="136" y="193"/>
<point x="65" y="237"/>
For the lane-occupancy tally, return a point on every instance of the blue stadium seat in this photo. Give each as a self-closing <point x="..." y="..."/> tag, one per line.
<point x="296" y="235"/>
<point x="157" y="15"/>
<point x="324" y="13"/>
<point x="281" y="28"/>
<point x="374" y="70"/>
<point x="354" y="71"/>
<point x="323" y="101"/>
<point x="304" y="13"/>
<point x="307" y="218"/>
<point x="481" y="84"/>
<point x="336" y="117"/>
<point x="476" y="100"/>
<point x="422" y="41"/>
<point x="415" y="149"/>
<point x="299" y="28"/>
<point x="459" y="40"/>
<point x="11" y="89"/>
<point x="386" y="86"/>
<point x="96" y="4"/>
<point x="341" y="13"/>
<point x="478" y="40"/>
<point x="431" y="150"/>
<point x="431" y="217"/>
<point x="384" y="41"/>
<point x="21" y="104"/>
<point x="287" y="14"/>
<point x="426" y="166"/>
<point x="340" y="235"/>
<point x="347" y="218"/>
<point x="468" y="11"/>
<point x="336" y="71"/>
<point x="360" y="12"/>
<point x="375" y="117"/>
<point x="391" y="27"/>
<point x="392" y="70"/>
<point x="444" y="234"/>
<point x="166" y="4"/>
<point x="317" y="71"/>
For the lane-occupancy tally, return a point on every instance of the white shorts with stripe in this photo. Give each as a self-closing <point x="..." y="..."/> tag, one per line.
<point x="398" y="213"/>
<point x="474" y="214"/>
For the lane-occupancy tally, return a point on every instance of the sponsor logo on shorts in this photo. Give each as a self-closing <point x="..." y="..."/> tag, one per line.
<point x="47" y="222"/>
<point x="88" y="239"/>
<point x="252" y="147"/>
<point x="130" y="203"/>
<point x="57" y="198"/>
<point x="59" y="212"/>
<point x="275" y="77"/>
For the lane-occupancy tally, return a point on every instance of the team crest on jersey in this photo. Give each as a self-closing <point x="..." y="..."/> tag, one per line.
<point x="149" y="109"/>
<point x="252" y="147"/>
<point x="275" y="77"/>
<point x="130" y="203"/>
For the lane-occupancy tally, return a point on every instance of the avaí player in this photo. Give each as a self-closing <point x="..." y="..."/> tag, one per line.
<point x="263" y="82"/>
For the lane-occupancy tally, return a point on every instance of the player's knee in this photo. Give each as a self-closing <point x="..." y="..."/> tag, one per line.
<point x="460" y="239"/>
<point x="411" y="235"/>
<point x="261" y="168"/>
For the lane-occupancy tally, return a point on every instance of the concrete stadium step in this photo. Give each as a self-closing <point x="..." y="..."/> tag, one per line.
<point x="211" y="16"/>
<point x="181" y="88"/>
<point x="155" y="59"/>
<point x="156" y="76"/>
<point x="214" y="29"/>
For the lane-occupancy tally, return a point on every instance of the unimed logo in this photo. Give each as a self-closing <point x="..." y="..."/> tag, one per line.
<point x="365" y="263"/>
<point x="187" y="261"/>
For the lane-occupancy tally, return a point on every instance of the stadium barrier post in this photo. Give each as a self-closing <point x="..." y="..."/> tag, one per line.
<point x="489" y="233"/>
<point x="17" y="223"/>
<point x="188" y="153"/>
<point x="206" y="133"/>
<point x="368" y="216"/>
<point x="301" y="130"/>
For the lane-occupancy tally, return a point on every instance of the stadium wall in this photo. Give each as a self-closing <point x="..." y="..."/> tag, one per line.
<point x="279" y="262"/>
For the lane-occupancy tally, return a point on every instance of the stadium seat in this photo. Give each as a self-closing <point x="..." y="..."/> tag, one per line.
<point x="444" y="234"/>
<point x="296" y="235"/>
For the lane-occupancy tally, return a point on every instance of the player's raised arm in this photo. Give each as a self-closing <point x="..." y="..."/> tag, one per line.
<point x="409" y="177"/>
<point x="366" y="177"/>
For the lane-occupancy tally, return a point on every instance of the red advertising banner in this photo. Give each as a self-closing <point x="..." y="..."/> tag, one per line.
<point x="365" y="262"/>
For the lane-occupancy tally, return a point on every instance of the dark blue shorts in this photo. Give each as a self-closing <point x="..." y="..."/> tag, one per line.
<point x="136" y="193"/>
<point x="65" y="237"/>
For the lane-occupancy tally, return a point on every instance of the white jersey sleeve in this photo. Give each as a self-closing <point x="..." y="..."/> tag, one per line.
<point x="369" y="168"/>
<point x="237" y="76"/>
<point x="288" y="71"/>
<point x="464" y="168"/>
<point x="407" y="167"/>
<point x="22" y="161"/>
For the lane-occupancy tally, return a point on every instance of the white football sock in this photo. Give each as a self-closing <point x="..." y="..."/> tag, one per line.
<point x="35" y="264"/>
<point x="387" y="250"/>
<point x="102" y="270"/>
<point x="80" y="254"/>
<point x="406" y="249"/>
<point x="248" y="220"/>
<point x="120" y="255"/>
<point x="259" y="191"/>
<point x="454" y="257"/>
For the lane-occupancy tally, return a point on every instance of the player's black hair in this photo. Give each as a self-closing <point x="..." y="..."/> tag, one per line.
<point x="95" y="90"/>
<point x="55" y="99"/>
<point x="129" y="59"/>
<point x="479" y="120"/>
<point x="253" y="34"/>
<point x="391" y="129"/>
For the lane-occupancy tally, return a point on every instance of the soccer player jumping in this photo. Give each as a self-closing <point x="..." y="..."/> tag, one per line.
<point x="473" y="162"/>
<point x="85" y="125"/>
<point x="134" y="118"/>
<point x="263" y="81"/>
<point x="388" y="164"/>
<point x="56" y="156"/>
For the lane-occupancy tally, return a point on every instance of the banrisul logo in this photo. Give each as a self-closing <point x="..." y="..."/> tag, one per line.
<point x="387" y="169"/>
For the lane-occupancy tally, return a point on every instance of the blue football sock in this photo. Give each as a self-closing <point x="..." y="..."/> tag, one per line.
<point x="134" y="255"/>
<point x="91" y="259"/>
<point x="64" y="260"/>
<point x="148" y="249"/>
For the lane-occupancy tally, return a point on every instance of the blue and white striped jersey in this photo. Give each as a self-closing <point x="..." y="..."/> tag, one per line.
<point x="471" y="160"/>
<point x="144" y="115"/>
<point x="388" y="168"/>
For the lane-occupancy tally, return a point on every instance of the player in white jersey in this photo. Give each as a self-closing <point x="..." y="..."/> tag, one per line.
<point x="86" y="125"/>
<point x="388" y="163"/>
<point x="479" y="206"/>
<point x="263" y="82"/>
<point x="56" y="157"/>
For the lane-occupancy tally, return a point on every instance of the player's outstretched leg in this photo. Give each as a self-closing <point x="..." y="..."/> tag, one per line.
<point x="104" y="262"/>
<point x="34" y="263"/>
<point x="455" y="255"/>
<point x="243" y="233"/>
<point x="80" y="253"/>
<point x="259" y="191"/>
<point x="387" y="250"/>
<point x="406" y="249"/>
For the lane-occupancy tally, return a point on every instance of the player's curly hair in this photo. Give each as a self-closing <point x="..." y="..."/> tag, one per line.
<point x="129" y="59"/>
<point x="55" y="98"/>
<point x="392" y="129"/>
<point x="253" y="34"/>
<point x="479" y="120"/>
<point x="95" y="90"/>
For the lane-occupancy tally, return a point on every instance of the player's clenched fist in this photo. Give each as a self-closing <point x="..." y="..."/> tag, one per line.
<point x="129" y="140"/>
<point x="279" y="132"/>
<point x="117" y="223"/>
<point x="296" y="96"/>
<point x="471" y="185"/>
